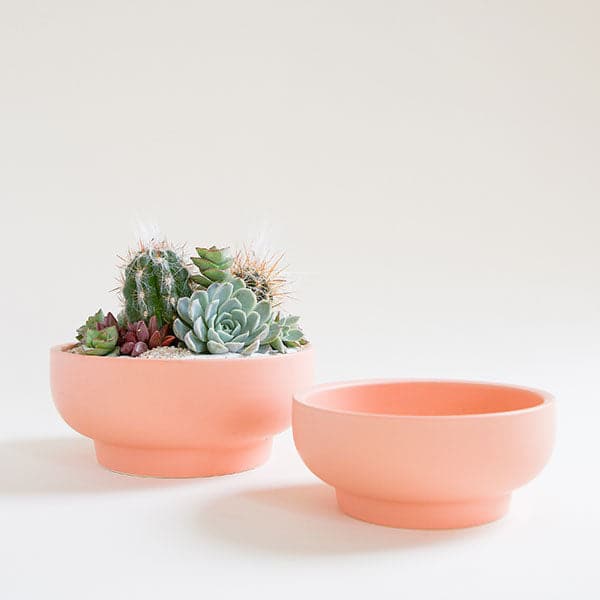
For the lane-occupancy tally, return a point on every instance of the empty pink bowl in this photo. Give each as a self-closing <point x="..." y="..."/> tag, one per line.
<point x="424" y="454"/>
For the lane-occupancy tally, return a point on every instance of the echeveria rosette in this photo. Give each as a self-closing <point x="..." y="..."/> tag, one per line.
<point x="98" y="336"/>
<point x="100" y="342"/>
<point x="224" y="318"/>
<point x="96" y="321"/>
<point x="288" y="333"/>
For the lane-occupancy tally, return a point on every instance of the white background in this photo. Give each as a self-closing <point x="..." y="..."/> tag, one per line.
<point x="430" y="168"/>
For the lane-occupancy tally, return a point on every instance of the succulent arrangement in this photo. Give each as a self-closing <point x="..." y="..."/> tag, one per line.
<point x="221" y="303"/>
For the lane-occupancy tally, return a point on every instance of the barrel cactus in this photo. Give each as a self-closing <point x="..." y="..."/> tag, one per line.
<point x="263" y="273"/>
<point x="213" y="264"/>
<point x="154" y="279"/>
<point x="224" y="318"/>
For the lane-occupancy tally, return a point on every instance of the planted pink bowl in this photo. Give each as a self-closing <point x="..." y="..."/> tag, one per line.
<point x="424" y="454"/>
<point x="178" y="418"/>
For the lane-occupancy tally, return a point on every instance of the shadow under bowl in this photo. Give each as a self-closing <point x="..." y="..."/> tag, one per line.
<point x="424" y="454"/>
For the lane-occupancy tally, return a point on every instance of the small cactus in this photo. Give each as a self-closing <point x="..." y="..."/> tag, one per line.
<point x="154" y="278"/>
<point x="263" y="274"/>
<point x="213" y="264"/>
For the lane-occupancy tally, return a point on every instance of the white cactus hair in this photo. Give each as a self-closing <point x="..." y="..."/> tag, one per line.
<point x="262" y="268"/>
<point x="149" y="237"/>
<point x="148" y="233"/>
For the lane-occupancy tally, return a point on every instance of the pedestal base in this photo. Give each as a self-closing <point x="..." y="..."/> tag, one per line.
<point x="182" y="462"/>
<point x="423" y="515"/>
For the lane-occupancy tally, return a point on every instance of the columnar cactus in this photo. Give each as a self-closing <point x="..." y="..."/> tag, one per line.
<point x="214" y="264"/>
<point x="224" y="318"/>
<point x="153" y="280"/>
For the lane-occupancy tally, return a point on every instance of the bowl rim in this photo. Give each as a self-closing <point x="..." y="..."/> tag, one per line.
<point x="61" y="349"/>
<point x="302" y="398"/>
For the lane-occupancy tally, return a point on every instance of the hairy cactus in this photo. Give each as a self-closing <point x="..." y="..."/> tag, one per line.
<point x="136" y="338"/>
<point x="154" y="278"/>
<point x="98" y="336"/>
<point x="224" y="318"/>
<point x="263" y="274"/>
<point x="214" y="264"/>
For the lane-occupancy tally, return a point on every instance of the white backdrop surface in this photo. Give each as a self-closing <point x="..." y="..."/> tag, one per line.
<point x="430" y="170"/>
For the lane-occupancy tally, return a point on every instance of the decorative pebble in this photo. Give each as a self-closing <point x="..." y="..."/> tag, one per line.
<point x="174" y="353"/>
<point x="167" y="353"/>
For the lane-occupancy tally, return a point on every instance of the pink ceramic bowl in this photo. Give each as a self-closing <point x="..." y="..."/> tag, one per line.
<point x="178" y="418"/>
<point x="424" y="454"/>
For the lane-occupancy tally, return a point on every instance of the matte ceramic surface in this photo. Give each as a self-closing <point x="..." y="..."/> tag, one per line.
<point x="178" y="418"/>
<point x="424" y="454"/>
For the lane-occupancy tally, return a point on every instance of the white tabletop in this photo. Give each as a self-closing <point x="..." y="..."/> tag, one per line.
<point x="72" y="529"/>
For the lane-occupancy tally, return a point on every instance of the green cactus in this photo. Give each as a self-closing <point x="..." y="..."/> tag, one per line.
<point x="288" y="334"/>
<point x="263" y="273"/>
<point x="154" y="279"/>
<point x="100" y="342"/>
<point x="214" y="264"/>
<point x="224" y="318"/>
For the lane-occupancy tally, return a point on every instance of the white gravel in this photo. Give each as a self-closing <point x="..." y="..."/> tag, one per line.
<point x="174" y="353"/>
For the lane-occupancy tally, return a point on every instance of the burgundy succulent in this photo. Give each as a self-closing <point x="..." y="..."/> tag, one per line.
<point x="108" y="321"/>
<point x="138" y="337"/>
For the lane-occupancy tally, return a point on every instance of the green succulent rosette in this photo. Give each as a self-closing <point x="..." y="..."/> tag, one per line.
<point x="286" y="333"/>
<point x="100" y="342"/>
<point x="225" y="317"/>
<point x="91" y="323"/>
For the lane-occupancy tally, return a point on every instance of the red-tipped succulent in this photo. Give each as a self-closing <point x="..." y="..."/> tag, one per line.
<point x="108" y="321"/>
<point x="98" y="322"/>
<point x="138" y="337"/>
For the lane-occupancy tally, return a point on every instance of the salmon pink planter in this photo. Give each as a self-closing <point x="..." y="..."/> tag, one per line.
<point x="424" y="454"/>
<point x="178" y="418"/>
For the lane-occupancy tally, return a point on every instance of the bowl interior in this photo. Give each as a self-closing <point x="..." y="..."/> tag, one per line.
<point x="423" y="398"/>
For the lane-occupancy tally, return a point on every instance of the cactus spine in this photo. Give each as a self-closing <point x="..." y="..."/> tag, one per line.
<point x="154" y="279"/>
<point x="262" y="273"/>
